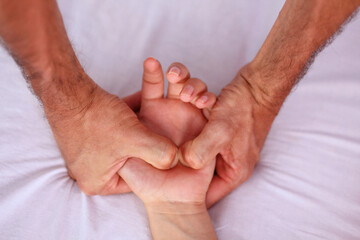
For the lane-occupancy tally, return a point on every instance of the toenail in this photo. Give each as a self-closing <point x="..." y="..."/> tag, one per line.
<point x="188" y="90"/>
<point x="175" y="70"/>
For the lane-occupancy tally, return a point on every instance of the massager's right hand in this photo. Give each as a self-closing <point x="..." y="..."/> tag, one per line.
<point x="98" y="137"/>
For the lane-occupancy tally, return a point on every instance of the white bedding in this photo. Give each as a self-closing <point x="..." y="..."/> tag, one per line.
<point x="306" y="185"/>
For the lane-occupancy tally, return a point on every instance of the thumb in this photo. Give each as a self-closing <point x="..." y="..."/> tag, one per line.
<point x="154" y="149"/>
<point x="204" y="148"/>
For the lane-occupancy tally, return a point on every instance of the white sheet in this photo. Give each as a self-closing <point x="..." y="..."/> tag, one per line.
<point x="306" y="185"/>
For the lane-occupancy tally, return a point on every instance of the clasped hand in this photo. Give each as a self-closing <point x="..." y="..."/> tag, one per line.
<point x="117" y="145"/>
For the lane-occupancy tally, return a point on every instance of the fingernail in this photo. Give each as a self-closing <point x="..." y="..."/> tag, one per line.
<point x="175" y="70"/>
<point x="203" y="99"/>
<point x="151" y="59"/>
<point x="188" y="90"/>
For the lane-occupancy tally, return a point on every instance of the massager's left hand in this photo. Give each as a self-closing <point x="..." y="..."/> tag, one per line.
<point x="246" y="108"/>
<point x="236" y="131"/>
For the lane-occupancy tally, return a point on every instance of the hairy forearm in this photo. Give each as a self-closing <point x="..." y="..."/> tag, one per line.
<point x="34" y="34"/>
<point x="180" y="221"/>
<point x="300" y="31"/>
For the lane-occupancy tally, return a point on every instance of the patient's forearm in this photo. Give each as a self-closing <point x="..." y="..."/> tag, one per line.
<point x="34" y="34"/>
<point x="180" y="221"/>
<point x="301" y="28"/>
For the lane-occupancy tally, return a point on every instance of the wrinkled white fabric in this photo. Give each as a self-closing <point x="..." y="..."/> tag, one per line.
<point x="306" y="185"/>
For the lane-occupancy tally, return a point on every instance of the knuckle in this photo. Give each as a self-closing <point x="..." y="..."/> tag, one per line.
<point x="200" y="85"/>
<point x="195" y="80"/>
<point x="197" y="164"/>
<point x="168" y="157"/>
<point x="91" y="187"/>
<point x="163" y="165"/>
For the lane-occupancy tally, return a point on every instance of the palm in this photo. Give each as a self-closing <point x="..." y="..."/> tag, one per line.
<point x="180" y="122"/>
<point x="172" y="118"/>
<point x="180" y="184"/>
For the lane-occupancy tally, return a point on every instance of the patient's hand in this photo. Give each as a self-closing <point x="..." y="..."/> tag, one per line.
<point x="178" y="117"/>
<point x="175" y="198"/>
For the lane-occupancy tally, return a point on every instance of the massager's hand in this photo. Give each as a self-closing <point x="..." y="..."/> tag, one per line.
<point x="97" y="135"/>
<point x="237" y="128"/>
<point x="95" y="131"/>
<point x="245" y="110"/>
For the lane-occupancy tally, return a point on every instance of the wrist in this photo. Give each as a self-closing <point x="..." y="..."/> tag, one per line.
<point x="63" y="88"/>
<point x="257" y="105"/>
<point x="266" y="90"/>
<point x="175" y="208"/>
<point x="180" y="221"/>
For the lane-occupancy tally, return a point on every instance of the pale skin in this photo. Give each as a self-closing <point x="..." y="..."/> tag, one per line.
<point x="175" y="198"/>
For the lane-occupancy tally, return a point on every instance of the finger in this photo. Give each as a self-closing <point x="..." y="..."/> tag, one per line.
<point x="119" y="186"/>
<point x="153" y="80"/>
<point x="138" y="174"/>
<point x="206" y="102"/>
<point x="206" y="112"/>
<point x="229" y="175"/>
<point x="218" y="189"/>
<point x="114" y="185"/>
<point x="212" y="140"/>
<point x="154" y="149"/>
<point x="132" y="172"/>
<point x="122" y="187"/>
<point x="177" y="74"/>
<point x="192" y="89"/>
<point x="136" y="168"/>
<point x="133" y="101"/>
